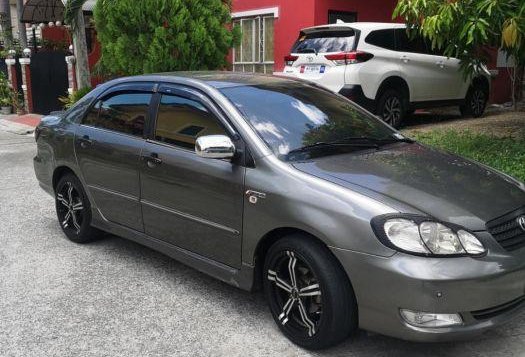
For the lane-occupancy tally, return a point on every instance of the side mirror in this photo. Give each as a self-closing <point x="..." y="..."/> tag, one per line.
<point x="215" y="147"/>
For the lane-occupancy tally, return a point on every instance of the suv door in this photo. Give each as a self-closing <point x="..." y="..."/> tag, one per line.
<point x="423" y="70"/>
<point x="108" y="146"/>
<point x="189" y="201"/>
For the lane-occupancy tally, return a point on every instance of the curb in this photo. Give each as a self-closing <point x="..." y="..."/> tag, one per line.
<point x="16" y="128"/>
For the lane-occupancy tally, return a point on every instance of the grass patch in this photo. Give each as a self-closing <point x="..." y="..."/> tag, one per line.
<point x="504" y="154"/>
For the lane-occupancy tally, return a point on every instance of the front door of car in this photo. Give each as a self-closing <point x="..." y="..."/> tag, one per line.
<point x="188" y="201"/>
<point x="108" y="146"/>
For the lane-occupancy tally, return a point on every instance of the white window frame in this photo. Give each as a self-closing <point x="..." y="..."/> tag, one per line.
<point x="258" y="49"/>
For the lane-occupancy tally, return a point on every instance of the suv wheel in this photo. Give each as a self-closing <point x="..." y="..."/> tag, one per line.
<point x="73" y="210"/>
<point x="475" y="102"/>
<point x="309" y="294"/>
<point x="391" y="107"/>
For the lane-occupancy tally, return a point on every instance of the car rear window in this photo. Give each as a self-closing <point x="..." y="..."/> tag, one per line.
<point x="325" y="41"/>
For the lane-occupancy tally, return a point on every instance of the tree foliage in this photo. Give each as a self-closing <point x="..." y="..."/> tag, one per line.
<point x="163" y="35"/>
<point x="465" y="28"/>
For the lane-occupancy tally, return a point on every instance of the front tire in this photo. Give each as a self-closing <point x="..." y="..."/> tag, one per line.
<point x="309" y="294"/>
<point x="74" y="210"/>
<point x="475" y="102"/>
<point x="391" y="107"/>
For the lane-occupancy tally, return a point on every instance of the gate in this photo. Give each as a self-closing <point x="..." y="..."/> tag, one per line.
<point x="49" y="81"/>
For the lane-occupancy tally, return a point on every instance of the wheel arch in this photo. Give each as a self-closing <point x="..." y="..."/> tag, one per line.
<point x="59" y="172"/>
<point x="393" y="82"/>
<point x="482" y="82"/>
<point x="271" y="238"/>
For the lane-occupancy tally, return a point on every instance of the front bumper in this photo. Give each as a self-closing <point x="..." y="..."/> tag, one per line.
<point x="486" y="292"/>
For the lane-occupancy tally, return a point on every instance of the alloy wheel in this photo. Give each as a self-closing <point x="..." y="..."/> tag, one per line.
<point x="297" y="294"/>
<point x="392" y="110"/>
<point x="70" y="208"/>
<point x="477" y="103"/>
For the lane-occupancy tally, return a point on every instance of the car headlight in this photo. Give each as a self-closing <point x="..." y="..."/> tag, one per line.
<point x="425" y="236"/>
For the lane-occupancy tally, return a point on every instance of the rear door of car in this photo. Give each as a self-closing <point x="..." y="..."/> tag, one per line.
<point x="422" y="69"/>
<point x="108" y="147"/>
<point x="188" y="201"/>
<point x="308" y="58"/>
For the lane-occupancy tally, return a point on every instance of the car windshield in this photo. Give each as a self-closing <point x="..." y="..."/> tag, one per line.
<point x="291" y="117"/>
<point x="324" y="41"/>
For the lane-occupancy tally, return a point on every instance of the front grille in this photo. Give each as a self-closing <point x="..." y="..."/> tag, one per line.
<point x="507" y="231"/>
<point x="497" y="310"/>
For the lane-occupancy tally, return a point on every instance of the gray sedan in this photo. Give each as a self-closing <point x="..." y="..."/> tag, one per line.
<point x="266" y="182"/>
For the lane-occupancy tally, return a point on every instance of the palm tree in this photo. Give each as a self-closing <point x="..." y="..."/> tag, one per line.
<point x="74" y="17"/>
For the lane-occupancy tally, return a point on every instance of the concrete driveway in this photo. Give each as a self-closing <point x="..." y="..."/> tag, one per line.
<point x="116" y="298"/>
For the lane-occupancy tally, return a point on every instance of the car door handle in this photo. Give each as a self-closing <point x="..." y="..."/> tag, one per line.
<point x="404" y="59"/>
<point x="85" y="142"/>
<point x="152" y="160"/>
<point x="440" y="64"/>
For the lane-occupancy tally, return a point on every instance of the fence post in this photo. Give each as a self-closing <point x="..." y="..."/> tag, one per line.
<point x="11" y="73"/>
<point x="71" y="74"/>
<point x="26" y="83"/>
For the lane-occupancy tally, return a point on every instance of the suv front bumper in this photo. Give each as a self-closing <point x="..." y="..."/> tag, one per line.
<point x="486" y="292"/>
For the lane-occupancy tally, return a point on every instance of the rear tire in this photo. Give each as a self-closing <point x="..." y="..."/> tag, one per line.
<point x="315" y="306"/>
<point x="74" y="210"/>
<point x="392" y="107"/>
<point x="475" y="102"/>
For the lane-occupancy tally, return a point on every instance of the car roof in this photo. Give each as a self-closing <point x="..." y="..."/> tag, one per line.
<point x="215" y="79"/>
<point x="363" y="26"/>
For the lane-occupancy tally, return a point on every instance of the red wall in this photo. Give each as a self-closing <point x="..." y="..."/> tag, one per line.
<point x="297" y="14"/>
<point x="370" y="10"/>
<point x="293" y="15"/>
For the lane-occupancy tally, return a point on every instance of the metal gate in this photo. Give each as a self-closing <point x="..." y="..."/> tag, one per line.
<point x="49" y="81"/>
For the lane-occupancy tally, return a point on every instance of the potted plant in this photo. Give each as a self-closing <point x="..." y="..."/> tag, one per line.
<point x="5" y="95"/>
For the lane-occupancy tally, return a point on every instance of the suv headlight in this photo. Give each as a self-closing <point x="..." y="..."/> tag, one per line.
<point x="426" y="236"/>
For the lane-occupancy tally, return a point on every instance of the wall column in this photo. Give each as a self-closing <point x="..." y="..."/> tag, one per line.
<point x="11" y="73"/>
<point x="71" y="74"/>
<point x="26" y="83"/>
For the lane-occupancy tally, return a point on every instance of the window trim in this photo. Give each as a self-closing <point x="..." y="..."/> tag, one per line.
<point x="273" y="11"/>
<point x="256" y="52"/>
<point x="187" y="93"/>
<point x="127" y="88"/>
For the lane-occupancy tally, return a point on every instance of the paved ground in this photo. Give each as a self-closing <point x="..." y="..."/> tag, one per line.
<point x="116" y="298"/>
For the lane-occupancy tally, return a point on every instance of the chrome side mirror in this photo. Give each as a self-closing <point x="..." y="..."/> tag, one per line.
<point x="215" y="147"/>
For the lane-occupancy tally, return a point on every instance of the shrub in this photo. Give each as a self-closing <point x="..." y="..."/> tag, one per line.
<point x="74" y="97"/>
<point x="163" y="35"/>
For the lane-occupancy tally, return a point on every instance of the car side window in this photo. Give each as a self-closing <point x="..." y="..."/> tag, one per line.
<point x="180" y="121"/>
<point x="121" y="112"/>
<point x="414" y="45"/>
<point x="381" y="38"/>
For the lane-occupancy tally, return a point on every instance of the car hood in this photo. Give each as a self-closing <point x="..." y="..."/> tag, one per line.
<point x="445" y="186"/>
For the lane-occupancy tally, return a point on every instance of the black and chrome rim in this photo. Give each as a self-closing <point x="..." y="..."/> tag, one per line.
<point x="392" y="110"/>
<point x="70" y="208"/>
<point x="477" y="102"/>
<point x="296" y="295"/>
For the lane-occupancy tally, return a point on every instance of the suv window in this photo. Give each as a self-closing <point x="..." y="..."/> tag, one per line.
<point x="325" y="41"/>
<point x="180" y="121"/>
<point x="122" y="112"/>
<point x="415" y="45"/>
<point x="381" y="38"/>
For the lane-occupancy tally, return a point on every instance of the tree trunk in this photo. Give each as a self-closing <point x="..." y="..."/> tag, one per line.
<point x="81" y="54"/>
<point x="5" y="16"/>
<point x="22" y="33"/>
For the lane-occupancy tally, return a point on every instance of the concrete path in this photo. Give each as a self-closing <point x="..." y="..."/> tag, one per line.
<point x="19" y="124"/>
<point x="117" y="298"/>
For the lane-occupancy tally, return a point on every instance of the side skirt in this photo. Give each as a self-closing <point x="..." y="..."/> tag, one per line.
<point x="241" y="278"/>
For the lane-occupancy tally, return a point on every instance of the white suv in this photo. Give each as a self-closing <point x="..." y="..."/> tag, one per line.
<point x="379" y="67"/>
